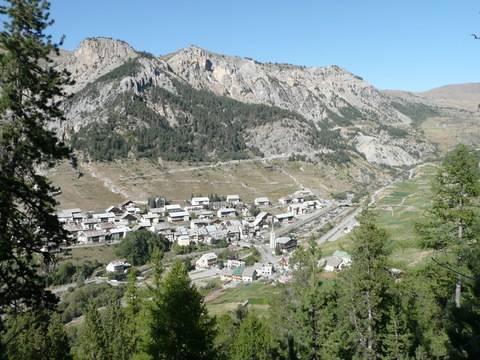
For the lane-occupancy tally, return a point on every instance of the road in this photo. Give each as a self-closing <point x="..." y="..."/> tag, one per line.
<point x="338" y="230"/>
<point x="303" y="221"/>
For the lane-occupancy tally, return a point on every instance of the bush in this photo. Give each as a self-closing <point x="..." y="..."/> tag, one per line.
<point x="138" y="246"/>
<point x="74" y="303"/>
<point x="67" y="272"/>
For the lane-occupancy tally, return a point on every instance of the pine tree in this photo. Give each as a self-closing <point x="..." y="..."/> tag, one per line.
<point x="29" y="100"/>
<point x="108" y="334"/>
<point x="178" y="326"/>
<point x="367" y="285"/>
<point x="254" y="340"/>
<point x="36" y="335"/>
<point x="449" y="221"/>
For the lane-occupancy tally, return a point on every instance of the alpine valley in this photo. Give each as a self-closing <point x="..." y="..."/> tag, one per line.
<point x="133" y="116"/>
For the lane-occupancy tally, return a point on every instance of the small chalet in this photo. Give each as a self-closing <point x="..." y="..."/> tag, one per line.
<point x="200" y="201"/>
<point x="286" y="218"/>
<point x="91" y="236"/>
<point x="117" y="266"/>
<point x="233" y="199"/>
<point x="206" y="261"/>
<point x="226" y="212"/>
<point x="262" y="202"/>
<point x="286" y="243"/>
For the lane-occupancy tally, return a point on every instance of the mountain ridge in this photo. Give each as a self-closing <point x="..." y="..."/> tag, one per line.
<point x="321" y="103"/>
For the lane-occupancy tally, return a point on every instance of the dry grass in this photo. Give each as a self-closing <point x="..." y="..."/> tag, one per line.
<point x="140" y="179"/>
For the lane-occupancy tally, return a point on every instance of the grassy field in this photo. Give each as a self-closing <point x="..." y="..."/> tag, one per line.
<point x="86" y="192"/>
<point x="401" y="206"/>
<point x="447" y="132"/>
<point x="139" y="179"/>
<point x="102" y="254"/>
<point x="259" y="296"/>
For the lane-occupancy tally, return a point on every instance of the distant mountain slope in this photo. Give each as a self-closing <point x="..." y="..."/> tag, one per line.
<point x="466" y="96"/>
<point x="197" y="105"/>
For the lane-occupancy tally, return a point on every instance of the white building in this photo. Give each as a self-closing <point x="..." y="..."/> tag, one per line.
<point x="206" y="261"/>
<point x="266" y="270"/>
<point x="233" y="199"/>
<point x="284" y="218"/>
<point x="262" y="201"/>
<point x="226" y="212"/>
<point x="178" y="216"/>
<point x="91" y="236"/>
<point x="200" y="201"/>
<point x="117" y="266"/>
<point x="233" y="263"/>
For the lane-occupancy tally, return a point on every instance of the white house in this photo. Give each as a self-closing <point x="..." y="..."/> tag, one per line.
<point x="262" y="201"/>
<point x="284" y="218"/>
<point x="118" y="232"/>
<point x="90" y="223"/>
<point x="105" y="217"/>
<point x="178" y="216"/>
<point x="338" y="261"/>
<point x="91" y="236"/>
<point x="233" y="263"/>
<point x="183" y="240"/>
<point x="233" y="199"/>
<point x="285" y="200"/>
<point x="226" y="212"/>
<point x="206" y="261"/>
<point x="151" y="218"/>
<point x="117" y="266"/>
<point x="200" y="201"/>
<point x="205" y="214"/>
<point x="266" y="270"/>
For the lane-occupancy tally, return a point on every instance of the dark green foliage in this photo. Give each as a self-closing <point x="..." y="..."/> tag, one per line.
<point x="138" y="246"/>
<point x="75" y="302"/>
<point x="106" y="334"/>
<point x="253" y="340"/>
<point x="212" y="127"/>
<point x="36" y="336"/>
<point x="28" y="102"/>
<point x="416" y="111"/>
<point x="463" y="324"/>
<point x="339" y="196"/>
<point x="130" y="68"/>
<point x="253" y="258"/>
<point x="451" y="219"/>
<point x="178" y="325"/>
<point x="367" y="289"/>
<point x="68" y="272"/>
<point x="395" y="132"/>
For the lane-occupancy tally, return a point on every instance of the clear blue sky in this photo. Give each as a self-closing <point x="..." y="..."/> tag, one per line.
<point x="403" y="44"/>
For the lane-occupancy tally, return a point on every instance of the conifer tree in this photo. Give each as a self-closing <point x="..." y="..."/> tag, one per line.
<point x="254" y="340"/>
<point x="366" y="297"/>
<point x="178" y="326"/>
<point x="31" y="89"/>
<point x="36" y="335"/>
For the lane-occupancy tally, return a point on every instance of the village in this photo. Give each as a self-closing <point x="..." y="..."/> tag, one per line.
<point x="262" y="227"/>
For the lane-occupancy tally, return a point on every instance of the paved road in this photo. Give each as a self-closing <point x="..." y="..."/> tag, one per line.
<point x="303" y="221"/>
<point x="338" y="230"/>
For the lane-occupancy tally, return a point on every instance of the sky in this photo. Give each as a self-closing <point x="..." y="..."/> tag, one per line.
<point x="411" y="45"/>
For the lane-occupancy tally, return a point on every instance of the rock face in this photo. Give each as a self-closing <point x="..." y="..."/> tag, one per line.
<point x="94" y="58"/>
<point x="312" y="92"/>
<point x="219" y="105"/>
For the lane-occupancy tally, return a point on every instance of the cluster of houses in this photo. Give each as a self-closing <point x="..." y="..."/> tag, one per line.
<point x="235" y="269"/>
<point x="201" y="221"/>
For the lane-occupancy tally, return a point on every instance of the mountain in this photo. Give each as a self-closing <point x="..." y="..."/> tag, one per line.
<point x="197" y="105"/>
<point x="464" y="96"/>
